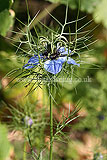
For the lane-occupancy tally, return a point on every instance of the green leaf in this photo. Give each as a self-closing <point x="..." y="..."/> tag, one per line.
<point x="100" y="14"/>
<point x="4" y="144"/>
<point x="7" y="22"/>
<point x="5" y="4"/>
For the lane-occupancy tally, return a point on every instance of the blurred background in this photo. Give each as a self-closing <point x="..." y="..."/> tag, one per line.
<point x="88" y="134"/>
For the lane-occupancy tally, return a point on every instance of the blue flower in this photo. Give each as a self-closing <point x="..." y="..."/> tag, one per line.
<point x="33" y="61"/>
<point x="100" y="157"/>
<point x="28" y="121"/>
<point x="52" y="64"/>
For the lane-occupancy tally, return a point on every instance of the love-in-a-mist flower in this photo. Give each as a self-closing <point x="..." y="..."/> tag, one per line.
<point x="100" y="157"/>
<point x="52" y="62"/>
<point x="28" y="121"/>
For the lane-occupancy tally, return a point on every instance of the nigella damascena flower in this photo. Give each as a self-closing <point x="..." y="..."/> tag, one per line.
<point x="100" y="157"/>
<point x="52" y="62"/>
<point x="28" y="121"/>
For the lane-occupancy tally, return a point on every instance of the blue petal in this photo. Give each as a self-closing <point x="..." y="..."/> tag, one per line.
<point x="61" y="49"/>
<point x="72" y="61"/>
<point x="62" y="59"/>
<point x="64" y="51"/>
<point x="53" y="66"/>
<point x="32" y="62"/>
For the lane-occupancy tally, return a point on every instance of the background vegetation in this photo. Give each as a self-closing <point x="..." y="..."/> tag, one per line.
<point x="88" y="134"/>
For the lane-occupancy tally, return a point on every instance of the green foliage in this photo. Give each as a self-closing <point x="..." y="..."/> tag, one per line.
<point x="6" y="19"/>
<point x="20" y="117"/>
<point x="71" y="152"/>
<point x="6" y="4"/>
<point x="93" y="96"/>
<point x="87" y="6"/>
<point x="96" y="7"/>
<point x="4" y="144"/>
<point x="100" y="14"/>
<point x="7" y="22"/>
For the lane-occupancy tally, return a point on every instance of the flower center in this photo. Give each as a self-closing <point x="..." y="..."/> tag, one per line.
<point x="54" y="55"/>
<point x="50" y="55"/>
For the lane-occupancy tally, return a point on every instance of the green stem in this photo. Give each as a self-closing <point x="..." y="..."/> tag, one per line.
<point x="24" y="153"/>
<point x="36" y="19"/>
<point x="51" y="124"/>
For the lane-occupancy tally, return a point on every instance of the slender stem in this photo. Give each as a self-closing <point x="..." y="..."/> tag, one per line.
<point x="76" y="28"/>
<point x="24" y="153"/>
<point x="51" y="124"/>
<point x="43" y="14"/>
